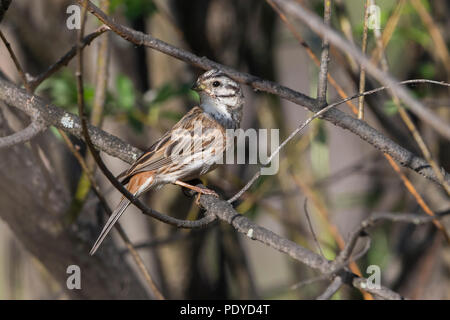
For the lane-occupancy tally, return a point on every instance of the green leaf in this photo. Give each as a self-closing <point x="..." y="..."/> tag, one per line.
<point x="390" y="108"/>
<point x="135" y="123"/>
<point x="126" y="95"/>
<point x="427" y="70"/>
<point x="134" y="9"/>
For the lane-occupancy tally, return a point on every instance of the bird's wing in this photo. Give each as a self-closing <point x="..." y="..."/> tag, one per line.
<point x="177" y="147"/>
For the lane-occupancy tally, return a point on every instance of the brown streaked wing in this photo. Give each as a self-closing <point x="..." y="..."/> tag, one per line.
<point x="160" y="154"/>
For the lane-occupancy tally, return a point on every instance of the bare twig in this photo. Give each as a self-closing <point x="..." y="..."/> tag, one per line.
<point x="362" y="74"/>
<point x="420" y="201"/>
<point x="325" y="57"/>
<point x="37" y="125"/>
<point x="308" y="218"/>
<point x="307" y="281"/>
<point x="381" y="291"/>
<point x="334" y="286"/>
<point x="15" y="60"/>
<point x="33" y="129"/>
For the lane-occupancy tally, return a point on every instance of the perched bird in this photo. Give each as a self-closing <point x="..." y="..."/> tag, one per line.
<point x="190" y="149"/>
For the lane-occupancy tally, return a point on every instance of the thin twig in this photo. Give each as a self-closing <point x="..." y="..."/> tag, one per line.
<point x="308" y="218"/>
<point x="16" y="61"/>
<point x="37" y="125"/>
<point x="334" y="286"/>
<point x="420" y="201"/>
<point x="362" y="74"/>
<point x="325" y="57"/>
<point x="307" y="281"/>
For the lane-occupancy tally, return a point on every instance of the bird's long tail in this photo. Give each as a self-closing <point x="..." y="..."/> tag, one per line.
<point x="115" y="216"/>
<point x="138" y="184"/>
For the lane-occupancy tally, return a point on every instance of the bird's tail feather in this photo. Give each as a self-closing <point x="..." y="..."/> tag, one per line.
<point x="115" y="216"/>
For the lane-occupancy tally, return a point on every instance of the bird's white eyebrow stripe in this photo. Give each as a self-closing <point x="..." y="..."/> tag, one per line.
<point x="215" y="75"/>
<point x="226" y="95"/>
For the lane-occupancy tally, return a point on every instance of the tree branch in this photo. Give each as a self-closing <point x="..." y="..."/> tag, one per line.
<point x="334" y="286"/>
<point x="33" y="129"/>
<point x="324" y="59"/>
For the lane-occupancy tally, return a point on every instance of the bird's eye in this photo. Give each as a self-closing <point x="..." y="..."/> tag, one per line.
<point x="216" y="84"/>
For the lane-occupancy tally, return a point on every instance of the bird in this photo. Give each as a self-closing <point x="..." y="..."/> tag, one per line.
<point x="190" y="149"/>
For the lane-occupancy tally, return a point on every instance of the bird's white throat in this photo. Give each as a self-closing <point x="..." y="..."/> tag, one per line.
<point x="215" y="107"/>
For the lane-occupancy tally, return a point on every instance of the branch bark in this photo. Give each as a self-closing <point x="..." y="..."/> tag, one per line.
<point x="32" y="130"/>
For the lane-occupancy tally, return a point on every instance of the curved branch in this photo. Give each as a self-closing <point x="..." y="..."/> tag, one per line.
<point x="34" y="128"/>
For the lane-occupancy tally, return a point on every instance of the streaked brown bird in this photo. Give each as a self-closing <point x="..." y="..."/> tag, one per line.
<point x="193" y="146"/>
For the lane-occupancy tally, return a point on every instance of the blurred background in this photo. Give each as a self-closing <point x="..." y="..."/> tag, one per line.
<point x="344" y="179"/>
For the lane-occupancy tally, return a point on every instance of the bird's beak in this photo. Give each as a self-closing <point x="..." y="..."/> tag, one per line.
<point x="198" y="86"/>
